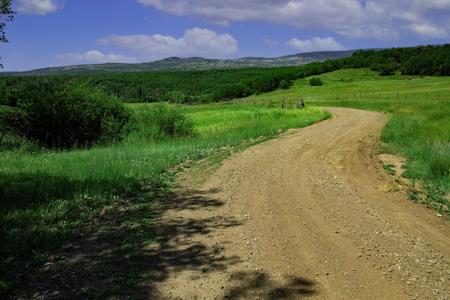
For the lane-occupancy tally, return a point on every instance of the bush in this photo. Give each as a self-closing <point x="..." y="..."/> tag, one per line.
<point x="176" y="97"/>
<point x="58" y="115"/>
<point x="228" y="92"/>
<point x="159" y="121"/>
<point x="315" y="81"/>
<point x="10" y="119"/>
<point x="284" y="84"/>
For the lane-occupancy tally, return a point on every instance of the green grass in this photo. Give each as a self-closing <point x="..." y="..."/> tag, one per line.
<point x="419" y="126"/>
<point x="390" y="169"/>
<point x="363" y="85"/>
<point x="47" y="196"/>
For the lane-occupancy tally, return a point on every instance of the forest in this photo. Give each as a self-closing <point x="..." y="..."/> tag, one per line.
<point x="222" y="85"/>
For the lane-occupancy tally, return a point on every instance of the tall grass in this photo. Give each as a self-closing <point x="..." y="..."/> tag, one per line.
<point x="419" y="126"/>
<point x="46" y="196"/>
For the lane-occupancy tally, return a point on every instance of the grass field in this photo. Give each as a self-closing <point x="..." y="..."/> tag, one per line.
<point x="48" y="196"/>
<point x="419" y="127"/>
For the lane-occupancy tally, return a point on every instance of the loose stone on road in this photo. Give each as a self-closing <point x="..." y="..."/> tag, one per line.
<point x="309" y="220"/>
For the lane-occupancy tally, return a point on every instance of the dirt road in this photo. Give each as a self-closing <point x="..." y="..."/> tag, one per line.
<point x="306" y="215"/>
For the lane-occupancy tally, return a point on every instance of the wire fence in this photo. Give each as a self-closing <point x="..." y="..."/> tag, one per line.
<point x="292" y="101"/>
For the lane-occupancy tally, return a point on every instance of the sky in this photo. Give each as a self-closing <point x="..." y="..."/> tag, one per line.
<point x="49" y="33"/>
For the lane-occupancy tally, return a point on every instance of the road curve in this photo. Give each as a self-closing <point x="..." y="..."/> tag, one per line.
<point x="303" y="215"/>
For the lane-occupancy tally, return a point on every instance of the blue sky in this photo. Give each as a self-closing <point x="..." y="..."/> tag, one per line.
<point x="63" y="32"/>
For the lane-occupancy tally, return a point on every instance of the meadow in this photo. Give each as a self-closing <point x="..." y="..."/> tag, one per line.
<point x="48" y="196"/>
<point x="418" y="128"/>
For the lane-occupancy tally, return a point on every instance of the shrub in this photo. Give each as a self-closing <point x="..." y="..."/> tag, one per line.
<point x="228" y="92"/>
<point x="284" y="84"/>
<point x="160" y="121"/>
<point x="315" y="81"/>
<point x="57" y="115"/>
<point x="176" y="97"/>
<point x="386" y="69"/>
<point x="10" y="119"/>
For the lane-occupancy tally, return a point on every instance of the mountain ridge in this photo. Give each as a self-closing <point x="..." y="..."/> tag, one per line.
<point x="174" y="63"/>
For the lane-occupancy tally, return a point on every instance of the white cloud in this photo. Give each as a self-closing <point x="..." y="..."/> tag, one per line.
<point x="194" y="42"/>
<point x="427" y="30"/>
<point x="37" y="7"/>
<point x="432" y="4"/>
<point x="315" y="44"/>
<point x="380" y="19"/>
<point x="94" y="56"/>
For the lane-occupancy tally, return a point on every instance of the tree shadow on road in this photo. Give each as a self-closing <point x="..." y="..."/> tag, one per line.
<point x="259" y="285"/>
<point x="129" y="248"/>
<point x="135" y="244"/>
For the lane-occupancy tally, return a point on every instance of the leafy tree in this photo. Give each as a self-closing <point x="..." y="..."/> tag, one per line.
<point x="6" y="15"/>
<point x="176" y="97"/>
<point x="284" y="84"/>
<point x="57" y="114"/>
<point x="315" y="81"/>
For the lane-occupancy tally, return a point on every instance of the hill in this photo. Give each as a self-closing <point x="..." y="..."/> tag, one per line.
<point x="192" y="63"/>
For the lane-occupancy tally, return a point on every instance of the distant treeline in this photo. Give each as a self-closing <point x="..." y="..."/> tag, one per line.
<point x="223" y="85"/>
<point x="179" y="86"/>
<point x="423" y="60"/>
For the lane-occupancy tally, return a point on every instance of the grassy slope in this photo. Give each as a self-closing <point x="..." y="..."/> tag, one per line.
<point x="364" y="84"/>
<point x="47" y="196"/>
<point x="419" y="127"/>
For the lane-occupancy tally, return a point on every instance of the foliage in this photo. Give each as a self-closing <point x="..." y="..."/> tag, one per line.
<point x="224" y="85"/>
<point x="176" y="97"/>
<point x="175" y="87"/>
<point x="193" y="86"/>
<point x="315" y="81"/>
<point x="284" y="84"/>
<point x="162" y="121"/>
<point x="6" y="15"/>
<point x="423" y="60"/>
<point x="65" y="115"/>
<point x="10" y="119"/>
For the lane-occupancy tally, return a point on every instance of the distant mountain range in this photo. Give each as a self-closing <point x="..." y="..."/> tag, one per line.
<point x="192" y="63"/>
